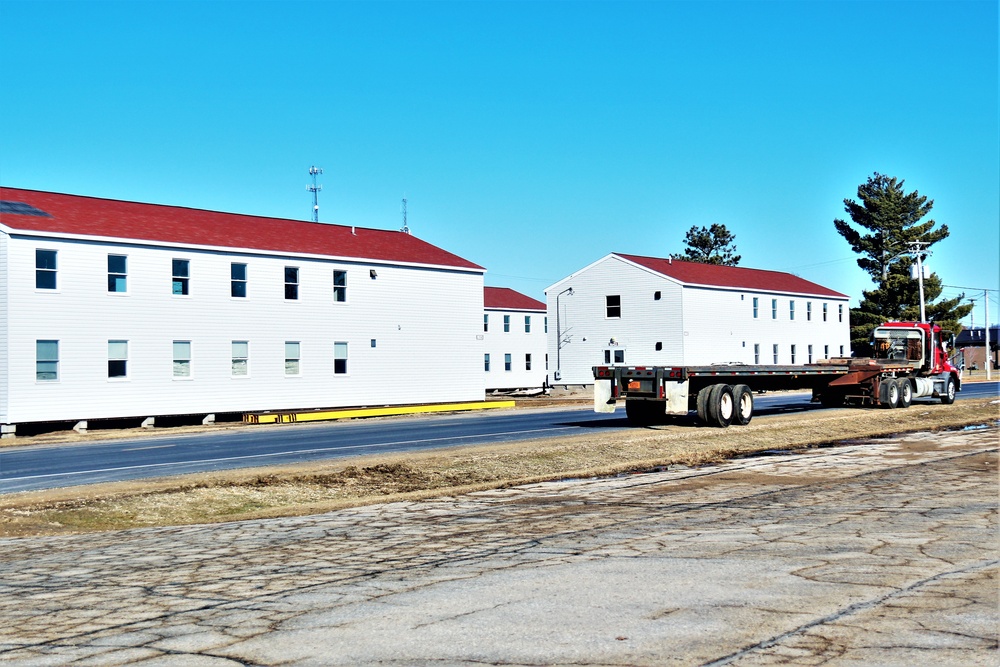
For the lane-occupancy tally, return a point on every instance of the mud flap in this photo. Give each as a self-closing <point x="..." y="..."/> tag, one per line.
<point x="602" y="396"/>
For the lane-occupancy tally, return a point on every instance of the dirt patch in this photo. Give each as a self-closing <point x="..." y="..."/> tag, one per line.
<point x="319" y="487"/>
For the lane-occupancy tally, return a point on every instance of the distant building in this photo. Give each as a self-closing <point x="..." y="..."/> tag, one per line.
<point x="514" y="333"/>
<point x="633" y="310"/>
<point x="120" y="309"/>
<point x="971" y="343"/>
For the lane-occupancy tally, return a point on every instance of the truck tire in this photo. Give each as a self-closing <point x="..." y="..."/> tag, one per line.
<point x="720" y="406"/>
<point x="743" y="402"/>
<point x="888" y="393"/>
<point x="701" y="403"/>
<point x="905" y="392"/>
<point x="948" y="397"/>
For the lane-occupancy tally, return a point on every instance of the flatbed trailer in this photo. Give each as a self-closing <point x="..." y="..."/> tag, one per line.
<point x="915" y="366"/>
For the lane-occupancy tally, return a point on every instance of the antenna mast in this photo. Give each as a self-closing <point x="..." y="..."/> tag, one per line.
<point x="314" y="172"/>
<point x="405" y="229"/>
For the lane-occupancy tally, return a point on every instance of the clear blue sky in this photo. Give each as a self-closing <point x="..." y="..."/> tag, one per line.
<point x="532" y="138"/>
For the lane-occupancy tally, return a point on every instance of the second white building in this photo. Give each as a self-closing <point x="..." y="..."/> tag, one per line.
<point x="634" y="310"/>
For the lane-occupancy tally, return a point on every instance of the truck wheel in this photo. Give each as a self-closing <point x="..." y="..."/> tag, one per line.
<point x="720" y="406"/>
<point x="905" y="392"/>
<point x="948" y="397"/>
<point x="888" y="393"/>
<point x="743" y="399"/>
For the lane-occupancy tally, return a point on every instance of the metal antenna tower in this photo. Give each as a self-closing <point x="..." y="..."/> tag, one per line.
<point x="405" y="229"/>
<point x="314" y="172"/>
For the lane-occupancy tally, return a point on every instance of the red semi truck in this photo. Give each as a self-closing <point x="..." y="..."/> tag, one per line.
<point x="911" y="361"/>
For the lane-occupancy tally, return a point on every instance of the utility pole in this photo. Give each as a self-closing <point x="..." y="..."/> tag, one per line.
<point x="989" y="353"/>
<point x="314" y="172"/>
<point x="916" y="250"/>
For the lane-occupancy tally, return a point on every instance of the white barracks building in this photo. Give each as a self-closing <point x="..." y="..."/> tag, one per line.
<point x="514" y="331"/>
<point x="632" y="310"/>
<point x="118" y="309"/>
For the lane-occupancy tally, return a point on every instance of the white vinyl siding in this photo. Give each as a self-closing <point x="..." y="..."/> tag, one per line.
<point x="443" y="324"/>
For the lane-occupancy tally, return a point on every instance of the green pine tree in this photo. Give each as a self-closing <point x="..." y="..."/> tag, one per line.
<point x="892" y="218"/>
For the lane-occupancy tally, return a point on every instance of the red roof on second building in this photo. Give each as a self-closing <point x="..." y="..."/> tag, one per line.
<point x="695" y="273"/>
<point x="504" y="298"/>
<point x="157" y="223"/>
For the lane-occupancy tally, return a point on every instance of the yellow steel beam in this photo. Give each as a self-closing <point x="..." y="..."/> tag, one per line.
<point x="324" y="415"/>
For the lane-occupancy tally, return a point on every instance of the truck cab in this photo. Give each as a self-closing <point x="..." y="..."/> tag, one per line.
<point x="922" y="346"/>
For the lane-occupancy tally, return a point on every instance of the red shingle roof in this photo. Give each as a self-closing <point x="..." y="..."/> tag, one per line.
<point x="155" y="223"/>
<point x="694" y="273"/>
<point x="504" y="298"/>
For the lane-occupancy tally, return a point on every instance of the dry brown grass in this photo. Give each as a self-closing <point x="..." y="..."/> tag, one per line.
<point x="320" y="487"/>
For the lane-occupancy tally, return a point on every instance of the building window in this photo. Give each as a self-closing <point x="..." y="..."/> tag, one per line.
<point x="809" y="311"/>
<point x="527" y="324"/>
<point x="506" y="323"/>
<point x="613" y="304"/>
<point x="291" y="283"/>
<point x="117" y="273"/>
<point x="775" y="350"/>
<point x="506" y="362"/>
<point x="756" y="353"/>
<point x="340" y="286"/>
<point x="527" y="362"/>
<point x="486" y="322"/>
<point x="840" y="312"/>
<point x="774" y="309"/>
<point x="545" y="323"/>
<point x="182" y="358"/>
<point x="656" y="296"/>
<point x="810" y="351"/>
<point x="617" y="355"/>
<point x="117" y="358"/>
<point x="292" y="358"/>
<point x="826" y="351"/>
<point x="486" y="362"/>
<point x="791" y="310"/>
<point x="241" y="358"/>
<point x="238" y="280"/>
<point x="340" y="358"/>
<point x="46" y="360"/>
<point x="841" y="350"/>
<point x="793" y="354"/>
<point x="756" y="307"/>
<point x="659" y="346"/>
<point x="546" y="361"/>
<point x="181" y="270"/>
<point x="824" y="312"/>
<point x="45" y="269"/>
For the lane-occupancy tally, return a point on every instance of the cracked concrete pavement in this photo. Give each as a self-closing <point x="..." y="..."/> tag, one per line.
<point x="882" y="552"/>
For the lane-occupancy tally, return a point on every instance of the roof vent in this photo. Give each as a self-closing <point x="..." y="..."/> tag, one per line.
<point x="20" y="208"/>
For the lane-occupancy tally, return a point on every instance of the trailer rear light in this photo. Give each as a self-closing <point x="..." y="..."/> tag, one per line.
<point x="663" y="391"/>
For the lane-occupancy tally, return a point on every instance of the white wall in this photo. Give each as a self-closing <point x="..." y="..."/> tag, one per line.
<point x="587" y="331"/>
<point x="425" y="323"/>
<point x="4" y="320"/>
<point x="720" y="327"/>
<point x="516" y="343"/>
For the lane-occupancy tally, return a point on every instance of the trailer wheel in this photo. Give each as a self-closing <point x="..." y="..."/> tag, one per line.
<point x="743" y="400"/>
<point x="905" y="392"/>
<point x="948" y="397"/>
<point x="888" y="393"/>
<point x="720" y="406"/>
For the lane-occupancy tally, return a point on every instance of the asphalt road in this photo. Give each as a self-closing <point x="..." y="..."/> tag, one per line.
<point x="54" y="466"/>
